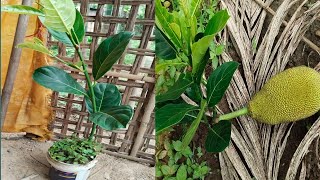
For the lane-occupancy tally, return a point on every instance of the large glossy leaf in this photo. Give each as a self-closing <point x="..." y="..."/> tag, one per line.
<point x="163" y="20"/>
<point x="177" y="89"/>
<point x="171" y="114"/>
<point x="199" y="50"/>
<point x="21" y="9"/>
<point x="57" y="80"/>
<point x="106" y="95"/>
<point x="219" y="81"/>
<point x="218" y="137"/>
<point x="109" y="52"/>
<point x="36" y="44"/>
<point x="164" y="47"/>
<point x="59" y="16"/>
<point x="78" y="28"/>
<point x="217" y="23"/>
<point x="115" y="118"/>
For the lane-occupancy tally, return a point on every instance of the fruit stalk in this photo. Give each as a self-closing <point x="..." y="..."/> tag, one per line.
<point x="234" y="114"/>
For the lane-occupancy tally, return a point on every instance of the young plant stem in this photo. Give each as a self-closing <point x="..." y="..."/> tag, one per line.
<point x="194" y="126"/>
<point x="89" y="82"/>
<point x="234" y="114"/>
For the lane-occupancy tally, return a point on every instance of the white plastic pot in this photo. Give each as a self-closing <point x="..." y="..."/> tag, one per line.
<point x="63" y="171"/>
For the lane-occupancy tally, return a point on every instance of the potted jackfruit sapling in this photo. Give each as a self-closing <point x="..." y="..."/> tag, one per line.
<point x="73" y="157"/>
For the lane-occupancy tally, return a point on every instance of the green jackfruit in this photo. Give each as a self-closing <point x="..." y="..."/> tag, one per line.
<point x="289" y="96"/>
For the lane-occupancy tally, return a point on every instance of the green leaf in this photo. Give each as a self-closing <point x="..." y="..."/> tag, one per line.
<point x="162" y="154"/>
<point x="217" y="23"/>
<point x="106" y="95"/>
<point x="177" y="145"/>
<point x="194" y="93"/>
<point x="187" y="152"/>
<point x="169" y="170"/>
<point x="59" y="16"/>
<point x="195" y="6"/>
<point x="36" y="44"/>
<point x="57" y="80"/>
<point x="171" y="114"/>
<point x="21" y="9"/>
<point x="158" y="172"/>
<point x="177" y="89"/>
<point x="60" y="36"/>
<point x="218" y="137"/>
<point x="199" y="50"/>
<point x="164" y="47"/>
<point x="78" y="28"/>
<point x="114" y="118"/>
<point x="176" y="29"/>
<point x="177" y="156"/>
<point x="219" y="81"/>
<point x="219" y="49"/>
<point x="109" y="52"/>
<point x="163" y="20"/>
<point x="182" y="173"/>
<point x="201" y="67"/>
<point x="193" y="26"/>
<point x="163" y="65"/>
<point x="183" y="28"/>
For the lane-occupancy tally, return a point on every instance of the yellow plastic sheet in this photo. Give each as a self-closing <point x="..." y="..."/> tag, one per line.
<point x="29" y="109"/>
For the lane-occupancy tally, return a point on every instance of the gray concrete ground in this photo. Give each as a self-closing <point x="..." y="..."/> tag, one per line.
<point x="24" y="159"/>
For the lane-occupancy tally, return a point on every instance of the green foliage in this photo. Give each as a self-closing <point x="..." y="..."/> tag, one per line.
<point x="66" y="24"/>
<point x="219" y="81"/>
<point x="217" y="23"/>
<point x="56" y="79"/>
<point x="107" y="96"/>
<point x="218" y="137"/>
<point x="20" y="9"/>
<point x="113" y="118"/>
<point x="74" y="150"/>
<point x="108" y="53"/>
<point x="164" y="49"/>
<point x="59" y="16"/>
<point x="176" y="162"/>
<point x="188" y="32"/>
<point x="171" y="114"/>
<point x="169" y="72"/>
<point x="199" y="50"/>
<point x="78" y="28"/>
<point x="37" y="45"/>
<point x="177" y="89"/>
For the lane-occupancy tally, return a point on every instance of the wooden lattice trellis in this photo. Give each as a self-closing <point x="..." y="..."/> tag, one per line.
<point x="133" y="74"/>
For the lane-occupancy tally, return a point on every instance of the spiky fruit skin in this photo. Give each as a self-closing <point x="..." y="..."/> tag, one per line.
<point x="289" y="96"/>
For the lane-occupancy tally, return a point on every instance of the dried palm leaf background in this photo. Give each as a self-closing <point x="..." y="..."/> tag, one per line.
<point x="133" y="75"/>
<point x="256" y="149"/>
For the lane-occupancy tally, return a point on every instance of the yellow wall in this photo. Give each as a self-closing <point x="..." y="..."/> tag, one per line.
<point x="29" y="109"/>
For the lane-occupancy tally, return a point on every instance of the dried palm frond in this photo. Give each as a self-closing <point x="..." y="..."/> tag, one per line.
<point x="262" y="146"/>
